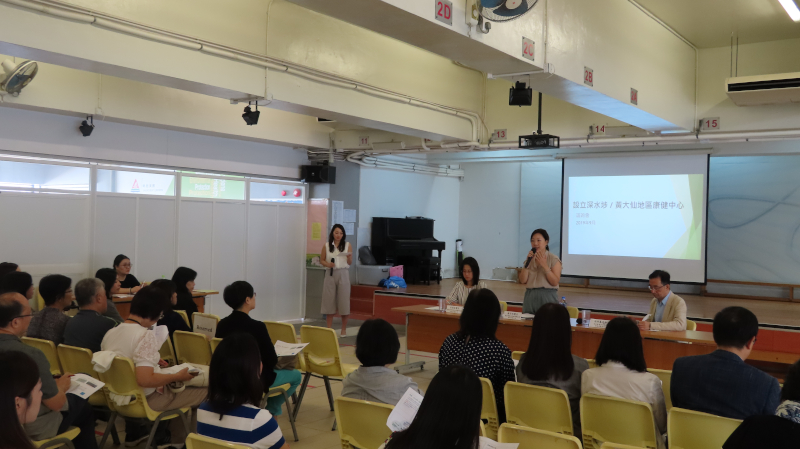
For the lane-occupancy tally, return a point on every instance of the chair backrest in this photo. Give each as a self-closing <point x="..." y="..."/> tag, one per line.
<point x="528" y="438"/>
<point x="191" y="347"/>
<point x="39" y="300"/>
<point x="362" y="424"/>
<point x="322" y="345"/>
<point x="49" y="350"/>
<point x="592" y="363"/>
<point x="688" y="429"/>
<point x="79" y="360"/>
<point x="214" y="343"/>
<point x="120" y="379"/>
<point x="619" y="446"/>
<point x="167" y="352"/>
<point x="517" y="355"/>
<point x="503" y="306"/>
<point x="617" y="420"/>
<point x="538" y="407"/>
<point x="195" y="441"/>
<point x="489" y="409"/>
<point x="573" y="311"/>
<point x="691" y="325"/>
<point x="285" y="332"/>
<point x="207" y="315"/>
<point x="183" y="315"/>
<point x="665" y="376"/>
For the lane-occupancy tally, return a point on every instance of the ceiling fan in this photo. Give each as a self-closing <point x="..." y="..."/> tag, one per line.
<point x="483" y="12"/>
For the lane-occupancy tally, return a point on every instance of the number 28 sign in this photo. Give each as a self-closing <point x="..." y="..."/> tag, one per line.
<point x="444" y="11"/>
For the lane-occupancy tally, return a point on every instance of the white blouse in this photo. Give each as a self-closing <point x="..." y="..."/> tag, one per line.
<point x="135" y="342"/>
<point x="458" y="296"/>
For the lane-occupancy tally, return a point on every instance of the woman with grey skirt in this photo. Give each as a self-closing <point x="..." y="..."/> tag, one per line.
<point x="540" y="273"/>
<point x="336" y="256"/>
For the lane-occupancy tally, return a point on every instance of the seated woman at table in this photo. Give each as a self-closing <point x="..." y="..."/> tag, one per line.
<point x="184" y="285"/>
<point x="109" y="278"/>
<point x="549" y="361"/>
<point x="475" y="345"/>
<point x="50" y="322"/>
<point x="17" y="282"/>
<point x="622" y="372"/>
<point x="470" y="280"/>
<point x="377" y="346"/>
<point x="172" y="319"/>
<point x="128" y="284"/>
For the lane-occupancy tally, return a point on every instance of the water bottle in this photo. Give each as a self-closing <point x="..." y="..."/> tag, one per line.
<point x="563" y="301"/>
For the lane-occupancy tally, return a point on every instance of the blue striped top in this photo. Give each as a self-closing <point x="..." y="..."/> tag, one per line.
<point x="247" y="425"/>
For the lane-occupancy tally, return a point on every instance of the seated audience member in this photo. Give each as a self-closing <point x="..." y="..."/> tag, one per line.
<point x="7" y="267"/>
<point x="773" y="431"/>
<point x="133" y="339"/>
<point x="549" y="361"/>
<point x="50" y="322"/>
<point x="476" y="347"/>
<point x="17" y="282"/>
<point x="721" y="383"/>
<point x="622" y="372"/>
<point x="667" y="310"/>
<point x="20" y="398"/>
<point x="377" y="346"/>
<point x="449" y="416"/>
<point x="109" y="278"/>
<point x="184" y="285"/>
<point x="470" y="280"/>
<point x="240" y="297"/>
<point x="172" y="319"/>
<point x="88" y="327"/>
<point x="232" y="411"/>
<point x="59" y="410"/>
<point x="127" y="282"/>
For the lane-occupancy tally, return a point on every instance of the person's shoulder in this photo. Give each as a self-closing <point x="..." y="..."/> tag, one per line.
<point x="675" y="297"/>
<point x="552" y="256"/>
<point x="580" y="363"/>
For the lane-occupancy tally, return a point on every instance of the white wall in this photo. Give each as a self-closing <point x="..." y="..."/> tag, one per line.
<point x="387" y="193"/>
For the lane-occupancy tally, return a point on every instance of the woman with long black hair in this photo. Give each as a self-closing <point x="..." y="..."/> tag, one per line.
<point x="337" y="256"/>
<point x="184" y="284"/>
<point x="20" y="398"/>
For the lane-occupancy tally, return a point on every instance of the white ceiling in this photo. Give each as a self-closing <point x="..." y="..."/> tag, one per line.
<point x="709" y="23"/>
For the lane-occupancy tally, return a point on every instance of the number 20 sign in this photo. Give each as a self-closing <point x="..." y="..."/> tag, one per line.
<point x="444" y="11"/>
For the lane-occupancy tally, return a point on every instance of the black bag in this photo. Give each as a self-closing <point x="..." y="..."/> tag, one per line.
<point x="365" y="256"/>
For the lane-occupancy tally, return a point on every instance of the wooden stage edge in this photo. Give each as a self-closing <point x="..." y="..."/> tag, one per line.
<point x="771" y="314"/>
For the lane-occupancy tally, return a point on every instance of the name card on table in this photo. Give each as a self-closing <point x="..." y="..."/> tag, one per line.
<point x="598" y="324"/>
<point x="455" y="309"/>
<point x="512" y="315"/>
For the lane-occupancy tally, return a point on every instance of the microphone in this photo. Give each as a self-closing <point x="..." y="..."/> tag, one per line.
<point x="333" y="261"/>
<point x="528" y="261"/>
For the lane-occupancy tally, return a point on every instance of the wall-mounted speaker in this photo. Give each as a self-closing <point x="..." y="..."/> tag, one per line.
<point x="318" y="173"/>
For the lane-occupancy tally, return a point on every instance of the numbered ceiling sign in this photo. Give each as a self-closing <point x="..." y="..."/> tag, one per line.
<point x="444" y="11"/>
<point x="527" y="48"/>
<point x="634" y="96"/>
<point x="588" y="76"/>
<point x="597" y="130"/>
<point x="709" y="124"/>
<point x="363" y="141"/>
<point x="499" y="134"/>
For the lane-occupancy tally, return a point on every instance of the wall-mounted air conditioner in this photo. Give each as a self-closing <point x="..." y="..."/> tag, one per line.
<point x="764" y="89"/>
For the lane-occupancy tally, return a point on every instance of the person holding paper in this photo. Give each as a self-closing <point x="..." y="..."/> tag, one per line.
<point x="241" y="297"/>
<point x="127" y="282"/>
<point x="540" y="273"/>
<point x="109" y="278"/>
<point x="470" y="280"/>
<point x="337" y="256"/>
<point x="449" y="416"/>
<point x="21" y="396"/>
<point x="667" y="310"/>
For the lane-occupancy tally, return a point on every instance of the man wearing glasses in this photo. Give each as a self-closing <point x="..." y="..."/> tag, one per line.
<point x="667" y="310"/>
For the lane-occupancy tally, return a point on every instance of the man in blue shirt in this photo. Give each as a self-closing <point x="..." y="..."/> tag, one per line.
<point x="721" y="383"/>
<point x="667" y="309"/>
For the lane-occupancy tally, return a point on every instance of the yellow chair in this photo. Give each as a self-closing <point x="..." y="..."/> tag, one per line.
<point x="191" y="347"/>
<point x="207" y="315"/>
<point x="323" y="359"/>
<point x="619" y="446"/>
<point x="528" y="438"/>
<point x="538" y="407"/>
<point x="285" y="332"/>
<point x="489" y="409"/>
<point x="665" y="376"/>
<point x="483" y="429"/>
<point x="573" y="311"/>
<point x="195" y="441"/>
<point x="503" y="306"/>
<point x="39" y="300"/>
<point x="281" y="390"/>
<point x="214" y="343"/>
<point x="617" y="420"/>
<point x="592" y="363"/>
<point x="167" y="352"/>
<point x="49" y="350"/>
<point x="687" y="429"/>
<point x="691" y="325"/>
<point x="362" y="424"/>
<point x="517" y="355"/>
<point x="120" y="379"/>
<point x="63" y="439"/>
<point x="185" y="317"/>
<point x="79" y="360"/>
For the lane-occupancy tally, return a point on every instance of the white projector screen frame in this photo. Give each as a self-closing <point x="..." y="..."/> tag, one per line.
<point x="630" y="267"/>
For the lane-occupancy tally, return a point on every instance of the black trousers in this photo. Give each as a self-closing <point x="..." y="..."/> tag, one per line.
<point x="80" y="415"/>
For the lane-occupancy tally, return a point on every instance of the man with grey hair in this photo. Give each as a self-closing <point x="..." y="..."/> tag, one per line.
<point x="89" y="326"/>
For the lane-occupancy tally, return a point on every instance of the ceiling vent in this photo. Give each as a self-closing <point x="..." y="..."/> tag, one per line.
<point x="764" y="89"/>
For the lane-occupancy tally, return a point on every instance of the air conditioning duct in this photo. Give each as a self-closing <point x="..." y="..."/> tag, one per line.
<point x="764" y="89"/>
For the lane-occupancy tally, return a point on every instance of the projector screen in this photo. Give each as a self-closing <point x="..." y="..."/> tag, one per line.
<point x="623" y="217"/>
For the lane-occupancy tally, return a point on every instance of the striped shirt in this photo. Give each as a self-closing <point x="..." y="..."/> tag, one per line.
<point x="247" y="424"/>
<point x="458" y="295"/>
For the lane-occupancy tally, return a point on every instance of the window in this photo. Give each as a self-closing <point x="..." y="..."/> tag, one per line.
<point x="26" y="175"/>
<point x="214" y="188"/>
<point x="276" y="193"/>
<point x="133" y="182"/>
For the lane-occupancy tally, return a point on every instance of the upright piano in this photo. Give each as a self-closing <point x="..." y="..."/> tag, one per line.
<point x="409" y="242"/>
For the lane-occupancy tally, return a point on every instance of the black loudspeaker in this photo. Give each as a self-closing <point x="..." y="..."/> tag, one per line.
<point x="318" y="173"/>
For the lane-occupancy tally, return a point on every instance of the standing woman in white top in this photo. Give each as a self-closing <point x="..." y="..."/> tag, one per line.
<point x="337" y="257"/>
<point x="470" y="280"/>
<point x="541" y="273"/>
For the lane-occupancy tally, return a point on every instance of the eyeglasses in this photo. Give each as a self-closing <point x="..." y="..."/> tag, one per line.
<point x="23" y="316"/>
<point x="652" y="288"/>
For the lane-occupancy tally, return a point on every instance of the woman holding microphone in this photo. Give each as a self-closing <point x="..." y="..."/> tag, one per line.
<point x="337" y="256"/>
<point x="541" y="273"/>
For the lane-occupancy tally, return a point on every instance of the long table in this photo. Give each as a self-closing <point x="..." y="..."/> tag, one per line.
<point x="123" y="302"/>
<point x="427" y="329"/>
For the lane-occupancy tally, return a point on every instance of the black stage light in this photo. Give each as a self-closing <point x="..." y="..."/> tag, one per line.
<point x="251" y="117"/>
<point x="519" y="95"/>
<point x="87" y="128"/>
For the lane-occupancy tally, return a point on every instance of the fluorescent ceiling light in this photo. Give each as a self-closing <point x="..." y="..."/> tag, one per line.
<point x="791" y="8"/>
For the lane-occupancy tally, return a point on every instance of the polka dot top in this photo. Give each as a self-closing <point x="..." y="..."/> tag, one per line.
<point x="487" y="357"/>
